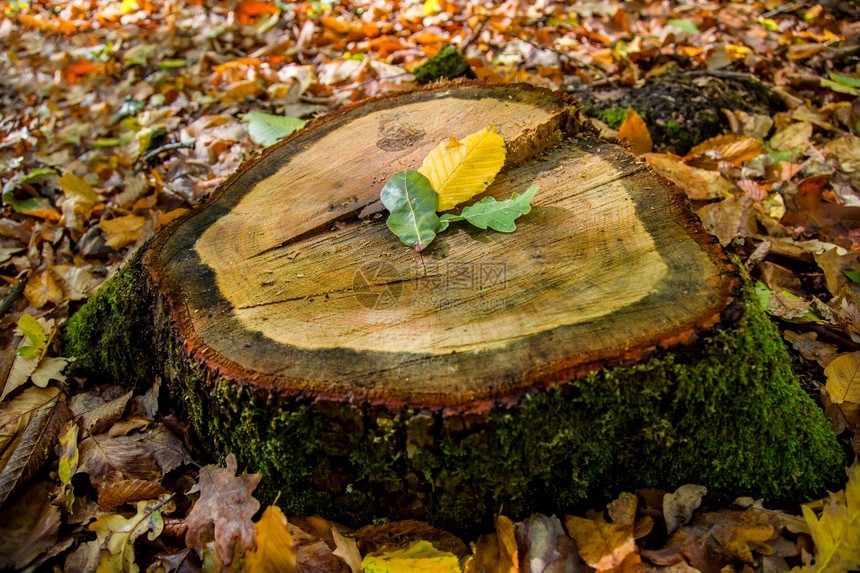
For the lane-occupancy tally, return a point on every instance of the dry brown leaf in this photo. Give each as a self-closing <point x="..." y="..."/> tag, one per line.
<point x="28" y="527"/>
<point x="146" y="456"/>
<point x="698" y="184"/>
<point x="846" y="150"/>
<point x="546" y="547"/>
<point x="604" y="546"/>
<point x="729" y="219"/>
<point x="623" y="509"/>
<point x="678" y="507"/>
<point x="122" y="231"/>
<point x="116" y="493"/>
<point x="401" y="533"/>
<point x="635" y="132"/>
<point x="223" y="512"/>
<point x="347" y="549"/>
<point x="273" y="551"/>
<point x="736" y="149"/>
<point x="42" y="288"/>
<point x="496" y="552"/>
<point x="794" y="136"/>
<point x="811" y="348"/>
<point x="30" y="449"/>
<point x="95" y="415"/>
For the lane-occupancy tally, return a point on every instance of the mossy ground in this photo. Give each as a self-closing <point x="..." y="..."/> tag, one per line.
<point x="729" y="415"/>
<point x="448" y="63"/>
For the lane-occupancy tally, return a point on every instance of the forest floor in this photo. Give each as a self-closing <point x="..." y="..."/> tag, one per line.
<point x="118" y="117"/>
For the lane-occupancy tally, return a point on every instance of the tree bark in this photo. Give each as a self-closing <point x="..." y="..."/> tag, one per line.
<point x="607" y="343"/>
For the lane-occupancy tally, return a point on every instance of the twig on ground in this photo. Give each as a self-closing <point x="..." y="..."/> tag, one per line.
<point x="10" y="299"/>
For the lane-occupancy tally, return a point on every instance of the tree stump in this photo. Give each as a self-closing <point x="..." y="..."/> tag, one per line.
<point x="608" y="343"/>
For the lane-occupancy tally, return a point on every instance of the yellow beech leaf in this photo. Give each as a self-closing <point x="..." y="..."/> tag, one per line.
<point x="843" y="378"/>
<point x="836" y="534"/>
<point x="604" y="546"/>
<point x="274" y="545"/>
<point x="418" y="557"/>
<point x="634" y="130"/>
<point x="458" y="170"/>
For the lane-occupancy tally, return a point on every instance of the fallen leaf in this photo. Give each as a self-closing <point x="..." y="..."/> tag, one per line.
<point x="43" y="288"/>
<point x="678" y="507"/>
<point x="459" y="170"/>
<point x="736" y="149"/>
<point x="373" y="538"/>
<point x="122" y="231"/>
<point x="843" y="378"/>
<point x="698" y="184"/>
<point x="97" y="415"/>
<point x="604" y="546"/>
<point x="836" y="533"/>
<point x="67" y="451"/>
<point x="273" y="551"/>
<point x="635" y="132"/>
<point x="30" y="449"/>
<point x="497" y="215"/>
<point x="729" y="219"/>
<point x="145" y="456"/>
<point x="15" y="415"/>
<point x="419" y="556"/>
<point x="846" y="150"/>
<point x="116" y="534"/>
<point x="347" y="549"/>
<point x="547" y="549"/>
<point x="811" y="348"/>
<point x="267" y="129"/>
<point x="411" y="202"/>
<point x="792" y="137"/>
<point x="120" y="492"/>
<point x="223" y="512"/>
<point x="28" y="527"/>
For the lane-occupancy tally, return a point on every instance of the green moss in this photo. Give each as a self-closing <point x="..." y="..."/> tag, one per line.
<point x="447" y="63"/>
<point x="613" y="116"/>
<point x="673" y="128"/>
<point x="729" y="415"/>
<point x="109" y="334"/>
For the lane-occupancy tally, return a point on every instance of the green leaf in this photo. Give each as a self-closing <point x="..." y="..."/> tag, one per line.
<point x="839" y="87"/>
<point x="497" y="215"/>
<point x="267" y="129"/>
<point x="849" y="81"/>
<point x="411" y="200"/>
<point x="685" y="26"/>
<point x="853" y="276"/>
<point x="34" y="332"/>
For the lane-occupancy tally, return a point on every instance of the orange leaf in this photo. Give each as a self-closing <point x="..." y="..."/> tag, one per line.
<point x="634" y="130"/>
<point x="74" y="72"/>
<point x="250" y="9"/>
<point x="236" y="64"/>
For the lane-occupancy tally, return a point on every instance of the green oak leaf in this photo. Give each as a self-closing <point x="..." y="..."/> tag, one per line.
<point x="411" y="200"/>
<point x="497" y="215"/>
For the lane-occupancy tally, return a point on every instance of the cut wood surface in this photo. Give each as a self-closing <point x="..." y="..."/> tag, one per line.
<point x="605" y="268"/>
<point x="607" y="343"/>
